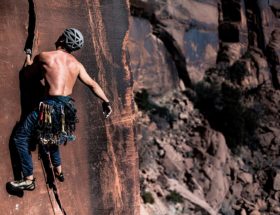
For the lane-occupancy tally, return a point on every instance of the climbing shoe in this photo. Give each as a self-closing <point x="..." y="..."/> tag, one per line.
<point x="24" y="184"/>
<point x="59" y="176"/>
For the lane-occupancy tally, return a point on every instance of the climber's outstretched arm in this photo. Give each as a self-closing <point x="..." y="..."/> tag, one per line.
<point x="87" y="80"/>
<point x="96" y="89"/>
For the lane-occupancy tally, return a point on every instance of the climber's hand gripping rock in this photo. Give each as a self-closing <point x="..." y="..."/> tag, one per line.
<point x="107" y="109"/>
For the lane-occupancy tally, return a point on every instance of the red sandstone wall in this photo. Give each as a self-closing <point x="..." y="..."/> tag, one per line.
<point x="101" y="167"/>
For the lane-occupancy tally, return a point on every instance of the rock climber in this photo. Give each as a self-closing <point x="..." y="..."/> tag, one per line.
<point x="54" y="120"/>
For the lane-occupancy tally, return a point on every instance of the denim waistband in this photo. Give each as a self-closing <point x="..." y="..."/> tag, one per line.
<point x="63" y="99"/>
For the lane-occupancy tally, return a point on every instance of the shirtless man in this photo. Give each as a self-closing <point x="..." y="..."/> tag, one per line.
<point x="58" y="71"/>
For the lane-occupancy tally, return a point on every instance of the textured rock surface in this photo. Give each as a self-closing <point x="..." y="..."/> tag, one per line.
<point x="175" y="151"/>
<point x="211" y="144"/>
<point x="101" y="167"/>
<point x="150" y="60"/>
<point x="176" y="22"/>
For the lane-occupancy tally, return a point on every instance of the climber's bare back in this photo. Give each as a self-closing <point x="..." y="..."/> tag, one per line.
<point x="60" y="71"/>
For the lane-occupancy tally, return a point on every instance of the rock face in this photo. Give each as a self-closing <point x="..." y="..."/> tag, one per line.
<point x="186" y="149"/>
<point x="101" y="167"/>
<point x="151" y="65"/>
<point x="208" y="138"/>
<point x="174" y="23"/>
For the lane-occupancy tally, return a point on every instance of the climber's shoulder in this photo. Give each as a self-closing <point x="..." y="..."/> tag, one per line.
<point x="41" y="57"/>
<point x="46" y="55"/>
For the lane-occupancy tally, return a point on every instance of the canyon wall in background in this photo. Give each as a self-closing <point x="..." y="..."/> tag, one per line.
<point x="206" y="83"/>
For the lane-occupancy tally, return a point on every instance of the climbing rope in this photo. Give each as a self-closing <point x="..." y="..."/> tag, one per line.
<point x="54" y="186"/>
<point x="45" y="176"/>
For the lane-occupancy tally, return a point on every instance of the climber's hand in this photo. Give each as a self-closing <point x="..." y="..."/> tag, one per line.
<point x="28" y="52"/>
<point x="28" y="60"/>
<point x="107" y="110"/>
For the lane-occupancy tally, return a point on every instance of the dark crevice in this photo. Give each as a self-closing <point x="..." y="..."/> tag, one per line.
<point x="254" y="23"/>
<point x="169" y="42"/>
<point x="28" y="91"/>
<point x="29" y="100"/>
<point x="31" y="26"/>
<point x="231" y="10"/>
<point x="273" y="58"/>
<point x="175" y="52"/>
<point x="230" y="18"/>
<point x="31" y="92"/>
<point x="274" y="77"/>
<point x="229" y="32"/>
<point x="229" y="29"/>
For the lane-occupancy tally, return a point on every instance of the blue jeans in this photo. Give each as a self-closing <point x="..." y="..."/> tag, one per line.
<point x="24" y="133"/>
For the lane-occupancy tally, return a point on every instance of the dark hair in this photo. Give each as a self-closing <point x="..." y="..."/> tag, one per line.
<point x="61" y="41"/>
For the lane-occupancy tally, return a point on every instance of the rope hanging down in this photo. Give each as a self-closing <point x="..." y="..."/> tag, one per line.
<point x="53" y="185"/>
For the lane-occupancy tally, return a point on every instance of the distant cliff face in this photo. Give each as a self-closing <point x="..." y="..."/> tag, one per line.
<point x="206" y="82"/>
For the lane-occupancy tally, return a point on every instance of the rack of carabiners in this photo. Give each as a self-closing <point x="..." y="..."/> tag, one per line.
<point x="45" y="115"/>
<point x="47" y="134"/>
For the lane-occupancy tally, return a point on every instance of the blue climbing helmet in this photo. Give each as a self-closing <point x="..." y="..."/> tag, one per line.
<point x="74" y="39"/>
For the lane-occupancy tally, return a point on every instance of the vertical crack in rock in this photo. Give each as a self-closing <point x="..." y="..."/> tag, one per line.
<point x="229" y="31"/>
<point x="231" y="10"/>
<point x="31" y="26"/>
<point x="272" y="57"/>
<point x="96" y="27"/>
<point x="231" y="18"/>
<point x="174" y="50"/>
<point x="254" y="23"/>
<point x="29" y="45"/>
<point x="169" y="42"/>
<point x="272" y="48"/>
